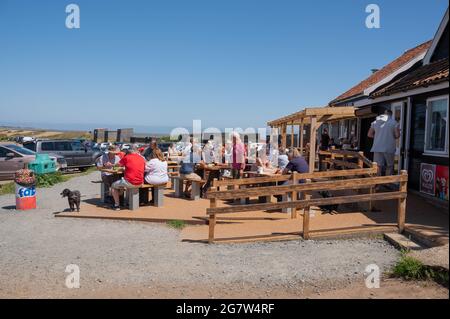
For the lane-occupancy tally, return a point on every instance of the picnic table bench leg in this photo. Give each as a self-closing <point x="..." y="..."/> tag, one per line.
<point x="178" y="186"/>
<point x="287" y="198"/>
<point x="195" y="191"/>
<point x="133" y="198"/>
<point x="103" y="192"/>
<point x="159" y="196"/>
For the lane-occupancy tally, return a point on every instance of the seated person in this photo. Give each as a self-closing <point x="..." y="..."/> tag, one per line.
<point x="134" y="165"/>
<point x="188" y="169"/>
<point x="172" y="150"/>
<point x="156" y="169"/>
<point x="296" y="163"/>
<point x="108" y="160"/>
<point x="283" y="159"/>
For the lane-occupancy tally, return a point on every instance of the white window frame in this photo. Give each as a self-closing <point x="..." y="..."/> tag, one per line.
<point x="427" y="118"/>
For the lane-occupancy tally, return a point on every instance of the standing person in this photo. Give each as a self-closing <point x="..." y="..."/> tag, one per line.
<point x="238" y="156"/>
<point x="108" y="160"/>
<point x="134" y="165"/>
<point x="384" y="131"/>
<point x="324" y="140"/>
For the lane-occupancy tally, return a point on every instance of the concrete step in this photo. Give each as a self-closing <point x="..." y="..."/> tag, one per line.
<point x="403" y="242"/>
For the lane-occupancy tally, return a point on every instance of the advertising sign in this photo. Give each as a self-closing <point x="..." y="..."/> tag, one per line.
<point x="427" y="178"/>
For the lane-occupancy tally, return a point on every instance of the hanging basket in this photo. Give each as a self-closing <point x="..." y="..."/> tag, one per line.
<point x="25" y="177"/>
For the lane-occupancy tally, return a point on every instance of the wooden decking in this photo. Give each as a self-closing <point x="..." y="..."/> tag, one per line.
<point x="261" y="225"/>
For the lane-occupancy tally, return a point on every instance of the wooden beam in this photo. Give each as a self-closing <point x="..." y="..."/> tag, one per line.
<point x="292" y="136"/>
<point x="305" y="203"/>
<point x="302" y="129"/>
<point x="312" y="145"/>
<point x="402" y="204"/>
<point x="280" y="178"/>
<point x="317" y="186"/>
<point x="212" y="221"/>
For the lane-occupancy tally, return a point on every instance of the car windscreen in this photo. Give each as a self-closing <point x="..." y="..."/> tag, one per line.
<point x="20" y="150"/>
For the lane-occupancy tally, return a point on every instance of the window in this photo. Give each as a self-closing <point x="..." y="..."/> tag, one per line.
<point x="77" y="146"/>
<point x="48" y="146"/>
<point x="436" y="134"/>
<point x="63" y="146"/>
<point x="3" y="152"/>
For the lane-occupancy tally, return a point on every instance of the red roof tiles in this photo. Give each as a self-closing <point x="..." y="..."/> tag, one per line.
<point x="425" y="75"/>
<point x="390" y="68"/>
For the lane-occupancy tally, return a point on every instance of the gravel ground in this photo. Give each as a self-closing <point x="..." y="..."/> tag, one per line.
<point x="36" y="247"/>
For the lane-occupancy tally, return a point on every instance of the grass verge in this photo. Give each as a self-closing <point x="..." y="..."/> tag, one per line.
<point x="46" y="180"/>
<point x="177" y="224"/>
<point x="410" y="268"/>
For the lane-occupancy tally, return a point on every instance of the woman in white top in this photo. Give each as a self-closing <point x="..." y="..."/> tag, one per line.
<point x="156" y="169"/>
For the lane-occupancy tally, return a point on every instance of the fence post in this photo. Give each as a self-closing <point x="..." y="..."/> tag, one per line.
<point x="306" y="215"/>
<point x="294" y="196"/>
<point x="212" y="221"/>
<point x="372" y="188"/>
<point x="332" y="157"/>
<point x="360" y="159"/>
<point x="402" y="204"/>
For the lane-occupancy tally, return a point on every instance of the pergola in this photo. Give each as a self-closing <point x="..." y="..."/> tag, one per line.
<point x="314" y="117"/>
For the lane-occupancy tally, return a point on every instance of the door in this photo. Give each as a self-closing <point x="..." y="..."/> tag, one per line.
<point x="81" y="156"/>
<point x="398" y="113"/>
<point x="9" y="164"/>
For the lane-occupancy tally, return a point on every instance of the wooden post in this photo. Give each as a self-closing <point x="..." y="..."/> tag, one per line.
<point x="402" y="204"/>
<point x="212" y="221"/>
<point x="294" y="195"/>
<point x="360" y="160"/>
<point x="306" y="215"/>
<point x="283" y="136"/>
<point x="312" y="145"/>
<point x="302" y="129"/>
<point x="298" y="136"/>
<point x="292" y="136"/>
<point x="372" y="189"/>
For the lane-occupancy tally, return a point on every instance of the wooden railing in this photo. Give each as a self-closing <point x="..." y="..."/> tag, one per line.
<point x="306" y="202"/>
<point x="345" y="159"/>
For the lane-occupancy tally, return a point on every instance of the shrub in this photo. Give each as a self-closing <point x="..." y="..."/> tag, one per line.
<point x="8" y="188"/>
<point x="50" y="179"/>
<point x="410" y="268"/>
<point x="177" y="224"/>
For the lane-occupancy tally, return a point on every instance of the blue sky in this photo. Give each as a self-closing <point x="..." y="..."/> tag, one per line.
<point x="164" y="63"/>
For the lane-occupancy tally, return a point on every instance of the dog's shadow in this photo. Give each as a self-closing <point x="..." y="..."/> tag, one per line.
<point x="67" y="210"/>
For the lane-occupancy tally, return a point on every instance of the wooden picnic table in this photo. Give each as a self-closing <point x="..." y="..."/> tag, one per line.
<point x="112" y="171"/>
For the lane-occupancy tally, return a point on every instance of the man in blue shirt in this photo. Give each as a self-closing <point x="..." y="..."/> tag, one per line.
<point x="296" y="163"/>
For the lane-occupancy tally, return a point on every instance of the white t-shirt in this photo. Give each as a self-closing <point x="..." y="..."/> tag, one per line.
<point x="156" y="172"/>
<point x="384" y="140"/>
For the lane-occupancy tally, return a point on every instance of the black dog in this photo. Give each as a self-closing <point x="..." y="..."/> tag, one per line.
<point x="73" y="197"/>
<point x="327" y="208"/>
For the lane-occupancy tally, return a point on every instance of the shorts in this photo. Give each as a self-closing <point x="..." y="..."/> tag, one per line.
<point x="191" y="177"/>
<point x="123" y="183"/>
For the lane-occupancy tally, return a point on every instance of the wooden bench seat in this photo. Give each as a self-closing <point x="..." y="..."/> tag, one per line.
<point x="133" y="195"/>
<point x="178" y="186"/>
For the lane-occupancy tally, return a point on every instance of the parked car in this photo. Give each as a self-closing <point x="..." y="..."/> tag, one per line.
<point x="14" y="157"/>
<point x="76" y="154"/>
